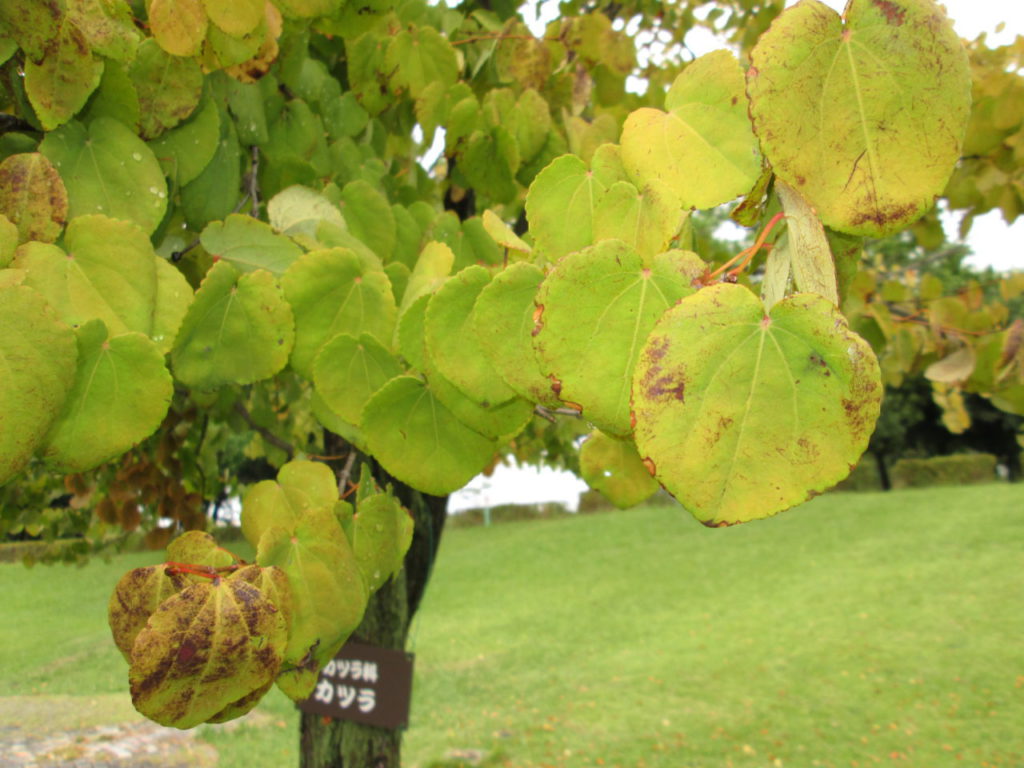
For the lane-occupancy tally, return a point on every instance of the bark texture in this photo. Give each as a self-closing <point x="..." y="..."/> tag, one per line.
<point x="326" y="743"/>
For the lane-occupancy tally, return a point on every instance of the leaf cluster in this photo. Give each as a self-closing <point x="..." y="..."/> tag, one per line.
<point x="206" y="635"/>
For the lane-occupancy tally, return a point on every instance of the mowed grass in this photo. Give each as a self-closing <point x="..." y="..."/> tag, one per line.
<point x="860" y="629"/>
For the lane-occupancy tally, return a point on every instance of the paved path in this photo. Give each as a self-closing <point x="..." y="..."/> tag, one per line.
<point x="130" y="745"/>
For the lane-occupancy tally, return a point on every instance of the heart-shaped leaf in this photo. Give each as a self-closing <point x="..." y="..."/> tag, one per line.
<point x="596" y="308"/>
<point x="348" y="371"/>
<point x="238" y="330"/>
<point x="504" y="310"/>
<point x="40" y="354"/>
<point x="121" y="393"/>
<point x="203" y="649"/>
<point x="565" y="191"/>
<point x="453" y="344"/>
<point x="419" y="441"/>
<point x="740" y="414"/>
<point x="864" y="117"/>
<point x="331" y="292"/>
<point x="108" y="169"/>
<point x="702" y="148"/>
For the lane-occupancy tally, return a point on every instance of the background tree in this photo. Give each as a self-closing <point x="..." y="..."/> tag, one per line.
<point x="224" y="271"/>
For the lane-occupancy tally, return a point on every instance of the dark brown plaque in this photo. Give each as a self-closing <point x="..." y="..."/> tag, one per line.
<point x="364" y="684"/>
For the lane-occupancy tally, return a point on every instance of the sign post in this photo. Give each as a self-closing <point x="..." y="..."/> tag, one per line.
<point x="364" y="684"/>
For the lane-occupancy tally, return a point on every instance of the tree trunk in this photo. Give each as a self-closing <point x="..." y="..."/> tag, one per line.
<point x="327" y="743"/>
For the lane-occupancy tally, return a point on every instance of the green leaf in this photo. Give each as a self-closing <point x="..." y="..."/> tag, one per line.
<point x="298" y="211"/>
<point x="121" y="393"/>
<point x="702" y="148"/>
<point x="419" y="57"/>
<point x="500" y="422"/>
<point x="419" y="441"/>
<point x="33" y="197"/>
<point x="368" y="216"/>
<point x="39" y="357"/>
<point x="327" y="588"/>
<point x="247" y="104"/>
<point x="60" y="84"/>
<point x="107" y="25"/>
<point x="607" y="164"/>
<point x="185" y="151"/>
<point x="331" y="292"/>
<point x="645" y="220"/>
<point x="235" y="17"/>
<point x="203" y="649"/>
<point x="347" y="372"/>
<point x="238" y="330"/>
<point x="596" y="308"/>
<point x="8" y="240"/>
<point x="108" y="273"/>
<point x="531" y="124"/>
<point x="108" y="169"/>
<point x="135" y="598"/>
<point x="613" y="468"/>
<point x="179" y="26"/>
<point x="411" y="334"/>
<point x="453" y="344"/>
<point x="114" y="98"/>
<point x="740" y="414"/>
<point x="381" y="535"/>
<point x="490" y="163"/>
<point x="561" y="204"/>
<point x="505" y="310"/>
<point x="213" y="194"/>
<point x="249" y="244"/>
<point x="864" y="118"/>
<point x="173" y="296"/>
<point x="169" y="87"/>
<point x="268" y="504"/>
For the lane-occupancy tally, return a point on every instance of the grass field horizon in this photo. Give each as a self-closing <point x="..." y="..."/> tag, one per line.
<point x="860" y="629"/>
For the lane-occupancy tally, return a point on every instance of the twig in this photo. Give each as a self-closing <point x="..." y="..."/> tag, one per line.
<point x="265" y="433"/>
<point x="253" y="182"/>
<point x="550" y="413"/>
<point x="176" y="256"/>
<point x="346" y="472"/>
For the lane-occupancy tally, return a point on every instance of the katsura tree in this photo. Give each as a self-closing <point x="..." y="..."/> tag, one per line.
<point x="225" y="271"/>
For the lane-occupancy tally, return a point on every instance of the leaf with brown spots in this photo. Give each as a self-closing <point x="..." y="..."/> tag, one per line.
<point x="599" y="305"/>
<point x="745" y="414"/>
<point x="865" y="114"/>
<point x="33" y="197"/>
<point x="205" y="649"/>
<point x="137" y="595"/>
<point x="613" y="468"/>
<point x="59" y="85"/>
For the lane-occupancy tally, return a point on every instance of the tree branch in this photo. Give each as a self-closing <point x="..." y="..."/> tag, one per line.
<point x="265" y="433"/>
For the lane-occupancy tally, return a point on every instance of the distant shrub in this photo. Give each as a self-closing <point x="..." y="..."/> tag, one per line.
<point x="959" y="469"/>
<point x="864" y="477"/>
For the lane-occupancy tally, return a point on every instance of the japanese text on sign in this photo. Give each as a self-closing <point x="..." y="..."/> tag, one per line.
<point x="364" y="684"/>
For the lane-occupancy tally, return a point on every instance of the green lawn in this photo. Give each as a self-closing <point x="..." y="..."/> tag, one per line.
<point x="857" y="630"/>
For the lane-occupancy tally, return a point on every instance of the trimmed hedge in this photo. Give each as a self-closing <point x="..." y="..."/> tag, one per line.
<point x="959" y="469"/>
<point x="864" y="477"/>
